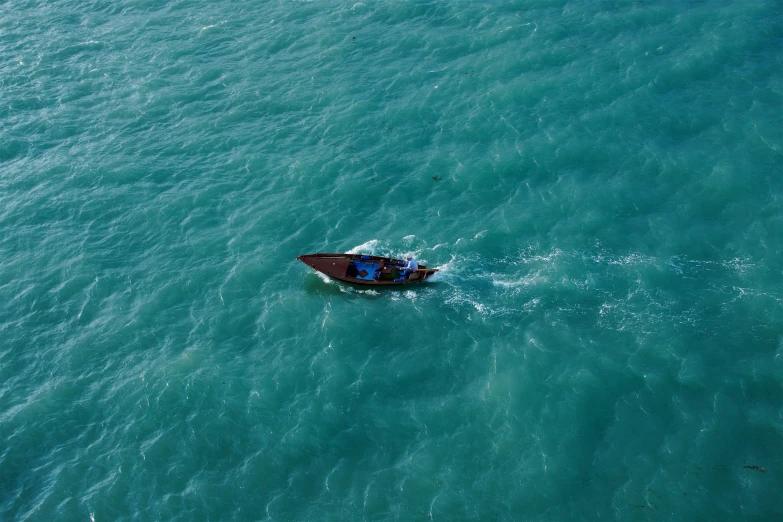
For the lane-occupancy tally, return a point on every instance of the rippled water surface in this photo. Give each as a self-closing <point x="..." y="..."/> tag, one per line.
<point x="599" y="183"/>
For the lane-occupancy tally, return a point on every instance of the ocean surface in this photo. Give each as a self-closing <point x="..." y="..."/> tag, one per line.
<point x="600" y="184"/>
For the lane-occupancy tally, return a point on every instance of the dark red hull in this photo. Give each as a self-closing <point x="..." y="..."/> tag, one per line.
<point x="365" y="270"/>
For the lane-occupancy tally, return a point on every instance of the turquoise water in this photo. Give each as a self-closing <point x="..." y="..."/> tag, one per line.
<point x="600" y="184"/>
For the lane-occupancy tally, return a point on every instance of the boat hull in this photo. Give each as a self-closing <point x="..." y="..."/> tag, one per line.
<point x="365" y="270"/>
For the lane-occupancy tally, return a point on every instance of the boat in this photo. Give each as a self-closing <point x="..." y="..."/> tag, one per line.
<point x="365" y="270"/>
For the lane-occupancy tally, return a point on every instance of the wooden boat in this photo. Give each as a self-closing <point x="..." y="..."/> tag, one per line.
<point x="365" y="270"/>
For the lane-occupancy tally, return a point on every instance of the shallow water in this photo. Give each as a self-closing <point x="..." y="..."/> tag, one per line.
<point x="599" y="184"/>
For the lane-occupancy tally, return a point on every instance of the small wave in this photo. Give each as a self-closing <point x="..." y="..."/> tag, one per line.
<point x="323" y="277"/>
<point x="368" y="247"/>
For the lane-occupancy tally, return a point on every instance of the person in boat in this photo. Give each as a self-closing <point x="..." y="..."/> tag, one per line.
<point x="410" y="266"/>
